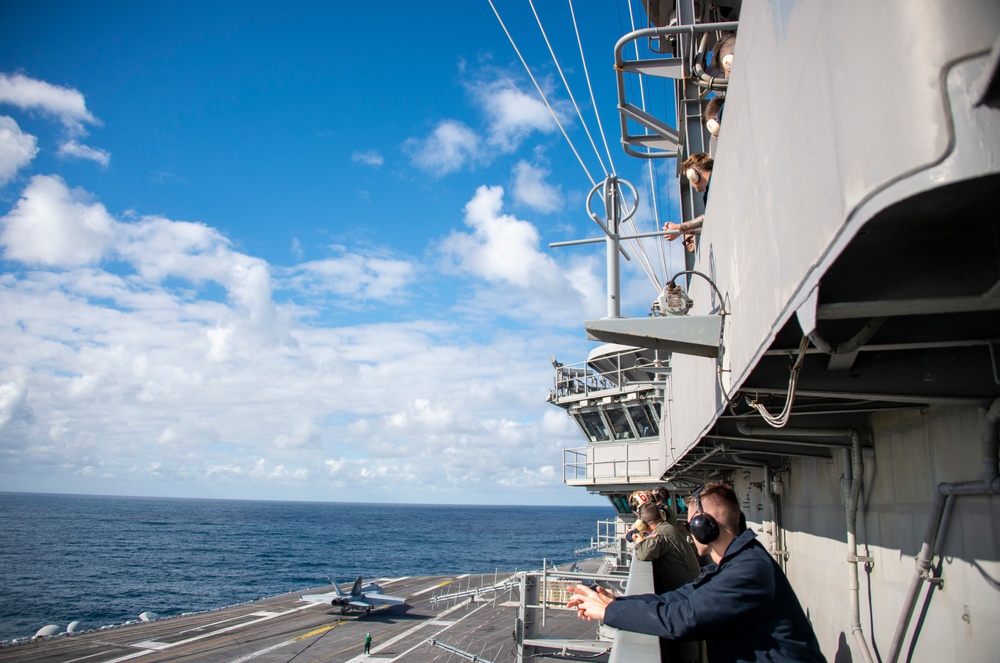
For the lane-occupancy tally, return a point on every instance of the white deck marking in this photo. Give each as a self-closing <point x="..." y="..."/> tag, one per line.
<point x="261" y="652"/>
<point x="82" y="658"/>
<point x="152" y="644"/>
<point x="407" y="632"/>
<point x="234" y="627"/>
<point x="433" y="587"/>
<point x="389" y="581"/>
<point x="423" y="642"/>
<point x="210" y="624"/>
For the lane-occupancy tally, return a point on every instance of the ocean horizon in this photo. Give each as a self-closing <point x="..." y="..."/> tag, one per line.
<point x="102" y="560"/>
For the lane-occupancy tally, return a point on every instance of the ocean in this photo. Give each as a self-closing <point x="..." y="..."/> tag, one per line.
<point x="104" y="560"/>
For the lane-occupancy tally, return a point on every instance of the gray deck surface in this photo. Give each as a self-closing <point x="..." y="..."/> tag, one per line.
<point x="283" y="629"/>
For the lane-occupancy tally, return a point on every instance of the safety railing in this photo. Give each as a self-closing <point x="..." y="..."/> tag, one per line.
<point x="612" y="463"/>
<point x="578" y="379"/>
<point x="607" y="541"/>
<point x="625" y="369"/>
<point x="662" y="140"/>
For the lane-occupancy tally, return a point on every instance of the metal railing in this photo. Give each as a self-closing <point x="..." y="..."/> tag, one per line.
<point x="580" y="379"/>
<point x="664" y="140"/>
<point x="608" y="539"/>
<point x="611" y="462"/>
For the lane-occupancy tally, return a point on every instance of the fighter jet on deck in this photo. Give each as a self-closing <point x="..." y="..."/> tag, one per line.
<point x="360" y="598"/>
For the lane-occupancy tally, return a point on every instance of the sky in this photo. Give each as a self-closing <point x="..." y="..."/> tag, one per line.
<point x="299" y="251"/>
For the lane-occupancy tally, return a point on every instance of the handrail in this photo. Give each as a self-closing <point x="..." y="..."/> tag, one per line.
<point x="590" y="465"/>
<point x="626" y="109"/>
<point x="580" y="379"/>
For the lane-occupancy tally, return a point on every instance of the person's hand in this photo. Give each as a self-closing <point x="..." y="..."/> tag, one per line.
<point x="668" y="226"/>
<point x="589" y="603"/>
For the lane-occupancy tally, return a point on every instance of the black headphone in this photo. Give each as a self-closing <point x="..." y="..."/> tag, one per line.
<point x="703" y="527"/>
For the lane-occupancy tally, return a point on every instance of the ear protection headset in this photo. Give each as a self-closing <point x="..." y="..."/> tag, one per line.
<point x="727" y="62"/>
<point x="713" y="127"/>
<point x="693" y="175"/>
<point x="703" y="527"/>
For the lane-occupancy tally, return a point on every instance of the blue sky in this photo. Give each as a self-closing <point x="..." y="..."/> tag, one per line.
<point x="299" y="250"/>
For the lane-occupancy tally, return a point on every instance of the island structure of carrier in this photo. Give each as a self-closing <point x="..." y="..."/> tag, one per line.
<point x="832" y="347"/>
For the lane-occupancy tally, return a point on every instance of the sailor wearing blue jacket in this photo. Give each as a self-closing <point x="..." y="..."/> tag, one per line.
<point x="741" y="605"/>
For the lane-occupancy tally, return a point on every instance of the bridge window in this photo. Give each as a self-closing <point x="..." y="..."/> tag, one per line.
<point x="593" y="426"/>
<point x="619" y="423"/>
<point x="643" y="420"/>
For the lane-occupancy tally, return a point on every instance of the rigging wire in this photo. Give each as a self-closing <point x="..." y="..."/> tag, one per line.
<point x="638" y="247"/>
<point x="654" y="204"/>
<point x="544" y="99"/>
<point x="590" y="87"/>
<point x="566" y="84"/>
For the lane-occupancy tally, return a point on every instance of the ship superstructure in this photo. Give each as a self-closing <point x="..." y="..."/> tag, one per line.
<point x="840" y="362"/>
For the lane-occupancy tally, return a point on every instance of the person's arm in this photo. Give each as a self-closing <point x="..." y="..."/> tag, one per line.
<point x="692" y="227"/>
<point x="650" y="547"/>
<point x="730" y="599"/>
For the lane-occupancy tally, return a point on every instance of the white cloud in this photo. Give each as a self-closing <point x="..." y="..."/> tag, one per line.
<point x="142" y="378"/>
<point x="504" y="251"/>
<point x="368" y="158"/>
<point x="72" y="148"/>
<point x="531" y="189"/>
<point x="55" y="227"/>
<point x="353" y="276"/>
<point x="17" y="149"/>
<point x="66" y="104"/>
<point x="450" y="147"/>
<point x="512" y="115"/>
<point x="51" y="225"/>
<point x="502" y="247"/>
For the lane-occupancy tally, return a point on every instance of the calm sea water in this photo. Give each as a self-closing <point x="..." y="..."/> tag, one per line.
<point x="104" y="560"/>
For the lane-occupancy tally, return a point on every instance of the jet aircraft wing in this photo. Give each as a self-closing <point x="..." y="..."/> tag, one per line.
<point x="358" y="599"/>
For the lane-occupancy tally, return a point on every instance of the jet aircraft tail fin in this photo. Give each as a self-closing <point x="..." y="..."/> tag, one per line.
<point x="356" y="590"/>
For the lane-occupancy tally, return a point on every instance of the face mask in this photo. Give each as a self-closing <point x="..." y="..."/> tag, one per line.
<point x="693" y="175"/>
<point x="713" y="127"/>
<point x="727" y="62"/>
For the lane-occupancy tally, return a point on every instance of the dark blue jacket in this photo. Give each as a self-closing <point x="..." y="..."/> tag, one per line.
<point x="743" y="608"/>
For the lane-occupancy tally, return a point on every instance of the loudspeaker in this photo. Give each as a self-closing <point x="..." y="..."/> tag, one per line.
<point x="703" y="527"/>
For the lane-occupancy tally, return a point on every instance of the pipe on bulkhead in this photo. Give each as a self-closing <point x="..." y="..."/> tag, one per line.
<point x="854" y="472"/>
<point x="777" y="550"/>
<point x="937" y="525"/>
